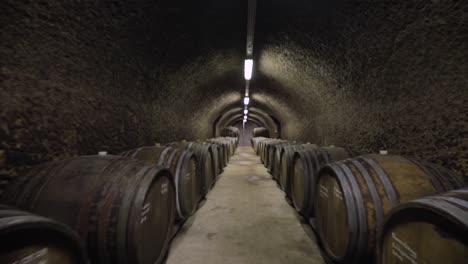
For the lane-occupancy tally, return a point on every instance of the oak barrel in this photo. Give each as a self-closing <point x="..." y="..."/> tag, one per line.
<point x="223" y="151"/>
<point x="261" y="132"/>
<point x="256" y="143"/>
<point x="183" y="166"/>
<point x="122" y="208"/>
<point x="276" y="165"/>
<point x="306" y="164"/>
<point x="354" y="195"/>
<point x="28" y="238"/>
<point x="272" y="159"/>
<point x="230" y="132"/>
<point x="286" y="164"/>
<point x="428" y="230"/>
<point x="206" y="162"/>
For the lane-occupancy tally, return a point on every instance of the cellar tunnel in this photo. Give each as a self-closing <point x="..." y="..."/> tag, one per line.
<point x="82" y="77"/>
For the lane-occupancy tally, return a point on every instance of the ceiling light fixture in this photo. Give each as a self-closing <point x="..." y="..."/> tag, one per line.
<point x="248" y="66"/>
<point x="246" y="100"/>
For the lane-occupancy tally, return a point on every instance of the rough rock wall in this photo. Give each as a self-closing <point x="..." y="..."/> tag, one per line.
<point x="372" y="75"/>
<point x="78" y="77"/>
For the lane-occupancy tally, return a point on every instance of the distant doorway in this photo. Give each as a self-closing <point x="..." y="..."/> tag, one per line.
<point x="246" y="133"/>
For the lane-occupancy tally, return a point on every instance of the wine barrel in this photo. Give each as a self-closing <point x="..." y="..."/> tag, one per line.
<point x="429" y="230"/>
<point x="276" y="166"/>
<point x="273" y="160"/>
<point x="183" y="166"/>
<point x="265" y="152"/>
<point x="217" y="168"/>
<point x="231" y="145"/>
<point x="353" y="196"/>
<point x="123" y="208"/>
<point x="233" y="142"/>
<point x="223" y="151"/>
<point x="256" y="142"/>
<point x="217" y="159"/>
<point x="272" y="154"/>
<point x="261" y="132"/>
<point x="205" y="157"/>
<point x="230" y="132"/>
<point x="286" y="164"/>
<point x="28" y="238"/>
<point x="305" y="166"/>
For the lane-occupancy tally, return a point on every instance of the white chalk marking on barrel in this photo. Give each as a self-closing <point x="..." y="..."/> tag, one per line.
<point x="164" y="188"/>
<point x="144" y="212"/>
<point x="399" y="247"/>
<point x="338" y="193"/>
<point x="323" y="191"/>
<point x="33" y="258"/>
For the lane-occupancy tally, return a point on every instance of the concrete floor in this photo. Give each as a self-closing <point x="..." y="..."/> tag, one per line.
<point x="245" y="220"/>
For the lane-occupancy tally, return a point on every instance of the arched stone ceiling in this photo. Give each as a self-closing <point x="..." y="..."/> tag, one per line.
<point x="79" y="77"/>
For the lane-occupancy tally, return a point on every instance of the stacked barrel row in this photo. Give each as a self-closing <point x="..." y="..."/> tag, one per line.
<point x="109" y="208"/>
<point x="372" y="208"/>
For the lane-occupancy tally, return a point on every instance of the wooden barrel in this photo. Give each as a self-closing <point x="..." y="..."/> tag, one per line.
<point x="261" y="132"/>
<point x="233" y="142"/>
<point x="270" y="151"/>
<point x="223" y="151"/>
<point x="122" y="208"/>
<point x="27" y="238"/>
<point x="256" y="143"/>
<point x="206" y="160"/>
<point x="286" y="164"/>
<point x="272" y="164"/>
<point x="276" y="166"/>
<point x="264" y="155"/>
<point x="429" y="230"/>
<point x="231" y="145"/>
<point x="183" y="166"/>
<point x="354" y="195"/>
<point x="217" y="157"/>
<point x="230" y="132"/>
<point x="305" y="167"/>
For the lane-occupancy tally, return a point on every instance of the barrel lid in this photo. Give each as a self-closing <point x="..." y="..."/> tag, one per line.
<point x="151" y="217"/>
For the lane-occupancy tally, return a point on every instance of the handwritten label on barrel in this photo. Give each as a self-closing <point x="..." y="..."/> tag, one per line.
<point x="323" y="191"/>
<point x="403" y="251"/>
<point x="36" y="258"/>
<point x="144" y="212"/>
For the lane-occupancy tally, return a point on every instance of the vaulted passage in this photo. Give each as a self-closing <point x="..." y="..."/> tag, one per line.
<point x="118" y="117"/>
<point x="245" y="219"/>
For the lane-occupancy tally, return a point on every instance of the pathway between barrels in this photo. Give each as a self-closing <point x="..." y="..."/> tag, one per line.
<point x="245" y="219"/>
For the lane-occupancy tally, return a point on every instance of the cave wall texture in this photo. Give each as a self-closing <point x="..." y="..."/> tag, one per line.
<point x="78" y="77"/>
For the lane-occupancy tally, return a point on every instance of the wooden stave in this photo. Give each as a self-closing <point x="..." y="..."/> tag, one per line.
<point x="107" y="178"/>
<point x="360" y="246"/>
